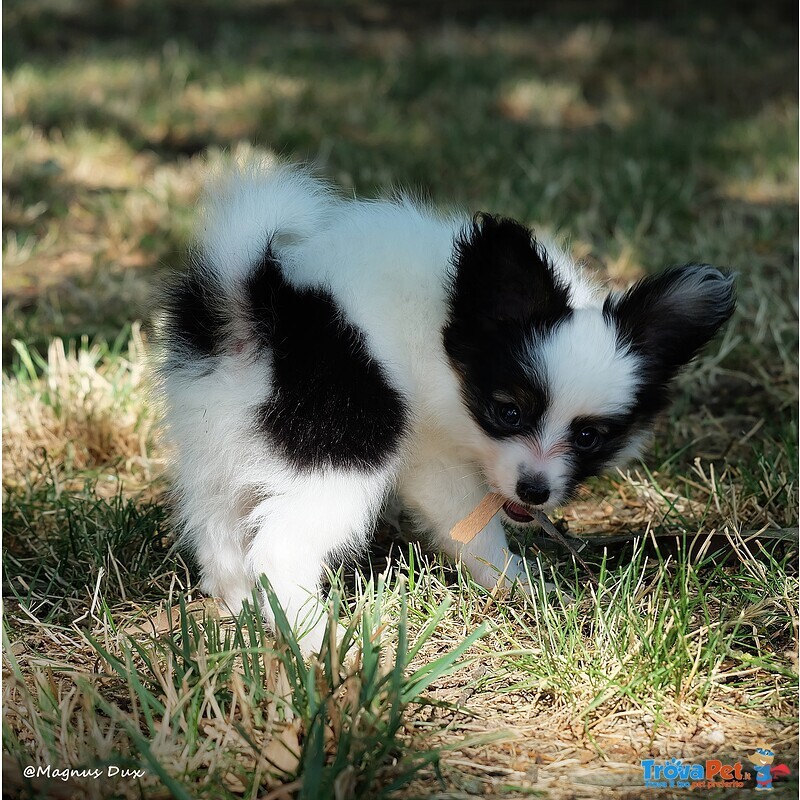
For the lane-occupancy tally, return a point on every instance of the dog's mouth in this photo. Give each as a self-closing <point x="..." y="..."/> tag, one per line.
<point x="517" y="512"/>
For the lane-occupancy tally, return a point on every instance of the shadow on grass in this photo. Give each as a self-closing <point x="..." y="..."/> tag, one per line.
<point x="54" y="26"/>
<point x="604" y="120"/>
<point x="61" y="545"/>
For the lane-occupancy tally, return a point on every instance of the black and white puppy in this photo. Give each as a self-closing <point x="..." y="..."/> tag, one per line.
<point x="322" y="353"/>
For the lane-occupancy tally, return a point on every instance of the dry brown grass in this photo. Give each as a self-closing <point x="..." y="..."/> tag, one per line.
<point x="85" y="415"/>
<point x="647" y="143"/>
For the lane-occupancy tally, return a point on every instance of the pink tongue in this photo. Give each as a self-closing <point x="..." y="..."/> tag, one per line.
<point x="516" y="512"/>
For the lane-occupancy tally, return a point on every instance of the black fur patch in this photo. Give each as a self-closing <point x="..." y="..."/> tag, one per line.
<point x="502" y="276"/>
<point x="332" y="405"/>
<point x="666" y="319"/>
<point x="615" y="432"/>
<point x="503" y="292"/>
<point x="194" y="319"/>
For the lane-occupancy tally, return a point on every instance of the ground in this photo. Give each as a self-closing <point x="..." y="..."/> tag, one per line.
<point x="639" y="139"/>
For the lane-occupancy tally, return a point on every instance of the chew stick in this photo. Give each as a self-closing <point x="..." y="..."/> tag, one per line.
<point x="469" y="527"/>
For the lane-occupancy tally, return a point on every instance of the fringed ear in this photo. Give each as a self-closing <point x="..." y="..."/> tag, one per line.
<point x="502" y="276"/>
<point x="669" y="317"/>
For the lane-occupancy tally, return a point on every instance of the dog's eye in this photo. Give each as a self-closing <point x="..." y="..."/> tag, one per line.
<point x="588" y="439"/>
<point x="510" y="415"/>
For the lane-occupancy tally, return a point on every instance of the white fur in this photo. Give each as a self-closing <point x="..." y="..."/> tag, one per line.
<point x="244" y="510"/>
<point x="243" y="210"/>
<point x="585" y="375"/>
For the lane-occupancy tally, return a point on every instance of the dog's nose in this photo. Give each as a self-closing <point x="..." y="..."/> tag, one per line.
<point x="533" y="490"/>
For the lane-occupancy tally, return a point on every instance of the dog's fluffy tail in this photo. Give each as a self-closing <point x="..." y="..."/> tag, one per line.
<point x="250" y="218"/>
<point x="254" y="206"/>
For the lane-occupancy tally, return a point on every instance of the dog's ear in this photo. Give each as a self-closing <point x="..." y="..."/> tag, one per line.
<point x="502" y="275"/>
<point x="669" y="317"/>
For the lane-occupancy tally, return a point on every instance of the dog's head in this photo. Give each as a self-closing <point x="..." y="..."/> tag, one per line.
<point x="560" y="388"/>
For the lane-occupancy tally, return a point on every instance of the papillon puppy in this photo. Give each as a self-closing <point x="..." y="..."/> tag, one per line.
<point x="321" y="354"/>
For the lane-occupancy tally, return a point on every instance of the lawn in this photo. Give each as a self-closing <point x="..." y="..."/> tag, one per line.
<point x="639" y="141"/>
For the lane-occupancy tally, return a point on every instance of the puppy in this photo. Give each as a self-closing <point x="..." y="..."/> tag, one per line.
<point x="321" y="353"/>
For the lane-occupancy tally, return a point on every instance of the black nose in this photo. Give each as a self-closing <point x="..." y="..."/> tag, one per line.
<point x="533" y="490"/>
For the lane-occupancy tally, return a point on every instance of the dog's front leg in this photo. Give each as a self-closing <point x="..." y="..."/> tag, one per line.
<point x="487" y="556"/>
<point x="441" y="493"/>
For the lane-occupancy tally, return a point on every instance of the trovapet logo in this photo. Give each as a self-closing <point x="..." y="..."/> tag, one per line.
<point x="709" y="774"/>
<point x="714" y="774"/>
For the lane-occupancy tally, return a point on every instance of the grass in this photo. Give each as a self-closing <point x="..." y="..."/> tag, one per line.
<point x="640" y="141"/>
<point x="243" y="702"/>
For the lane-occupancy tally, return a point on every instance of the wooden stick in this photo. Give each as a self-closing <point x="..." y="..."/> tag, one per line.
<point x="469" y="527"/>
<point x="554" y="533"/>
